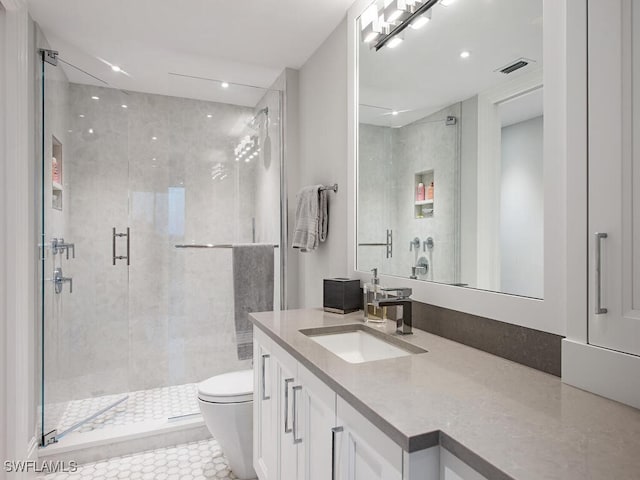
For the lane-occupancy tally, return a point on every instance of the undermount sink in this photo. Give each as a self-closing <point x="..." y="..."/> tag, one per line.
<point x="359" y="344"/>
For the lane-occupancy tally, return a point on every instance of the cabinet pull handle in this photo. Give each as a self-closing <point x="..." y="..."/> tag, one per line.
<point x="294" y="429"/>
<point x="264" y="360"/>
<point x="287" y="381"/>
<point x="334" y="431"/>
<point x="599" y="308"/>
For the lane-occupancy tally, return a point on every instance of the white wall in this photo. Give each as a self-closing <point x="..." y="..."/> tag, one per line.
<point x="323" y="158"/>
<point x="521" y="209"/>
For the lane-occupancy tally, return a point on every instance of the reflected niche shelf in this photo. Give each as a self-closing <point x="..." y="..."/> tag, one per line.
<point x="423" y="196"/>
<point x="56" y="173"/>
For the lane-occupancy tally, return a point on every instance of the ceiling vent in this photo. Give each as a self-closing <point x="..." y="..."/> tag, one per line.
<point x="515" y="65"/>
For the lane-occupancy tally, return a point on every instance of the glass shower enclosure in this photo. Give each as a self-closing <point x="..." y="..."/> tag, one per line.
<point x="129" y="322"/>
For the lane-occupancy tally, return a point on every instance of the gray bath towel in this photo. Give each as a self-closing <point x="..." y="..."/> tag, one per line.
<point x="312" y="218"/>
<point x="252" y="290"/>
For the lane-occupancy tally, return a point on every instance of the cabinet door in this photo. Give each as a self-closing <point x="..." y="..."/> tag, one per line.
<point x="363" y="451"/>
<point x="287" y="431"/>
<point x="264" y="446"/>
<point x="614" y="174"/>
<point x="317" y="418"/>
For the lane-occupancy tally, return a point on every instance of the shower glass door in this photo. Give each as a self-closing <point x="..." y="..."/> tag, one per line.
<point x="85" y="297"/>
<point x="130" y="323"/>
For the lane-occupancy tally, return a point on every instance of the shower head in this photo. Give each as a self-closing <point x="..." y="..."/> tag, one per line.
<point x="254" y="121"/>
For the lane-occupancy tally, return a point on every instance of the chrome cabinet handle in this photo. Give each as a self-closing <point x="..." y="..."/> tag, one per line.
<point x="599" y="308"/>
<point x="334" y="431"/>
<point x="264" y="358"/>
<point x="296" y="440"/>
<point x="287" y="381"/>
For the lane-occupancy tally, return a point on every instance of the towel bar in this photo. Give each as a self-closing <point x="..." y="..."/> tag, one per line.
<point x="208" y="245"/>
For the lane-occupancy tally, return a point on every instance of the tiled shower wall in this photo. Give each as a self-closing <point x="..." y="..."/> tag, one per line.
<point x="388" y="160"/>
<point x="167" y="319"/>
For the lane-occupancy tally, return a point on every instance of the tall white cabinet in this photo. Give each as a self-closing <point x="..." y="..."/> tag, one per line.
<point x="614" y="174"/>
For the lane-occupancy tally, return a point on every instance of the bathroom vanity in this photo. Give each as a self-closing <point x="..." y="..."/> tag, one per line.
<point x="440" y="411"/>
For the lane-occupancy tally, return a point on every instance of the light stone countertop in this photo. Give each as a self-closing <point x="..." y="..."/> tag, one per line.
<point x="503" y="419"/>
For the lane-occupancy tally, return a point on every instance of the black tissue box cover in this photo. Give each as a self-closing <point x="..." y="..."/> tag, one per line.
<point x="342" y="295"/>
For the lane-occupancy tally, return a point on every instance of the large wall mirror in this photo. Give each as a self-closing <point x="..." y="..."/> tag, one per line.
<point x="450" y="143"/>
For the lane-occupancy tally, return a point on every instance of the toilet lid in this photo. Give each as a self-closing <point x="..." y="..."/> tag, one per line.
<point x="227" y="388"/>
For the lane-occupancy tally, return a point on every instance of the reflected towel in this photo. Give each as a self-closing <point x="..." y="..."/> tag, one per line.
<point x="252" y="290"/>
<point x="312" y="218"/>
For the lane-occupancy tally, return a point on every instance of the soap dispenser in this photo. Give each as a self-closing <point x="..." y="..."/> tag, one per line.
<point x="373" y="291"/>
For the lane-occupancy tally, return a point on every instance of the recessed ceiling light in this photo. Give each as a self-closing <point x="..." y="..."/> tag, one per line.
<point x="95" y="98"/>
<point x="395" y="112"/>
<point x="153" y="159"/>
<point x="124" y="106"/>
<point x="115" y="68"/>
<point x="209" y="115"/>
<point x="154" y="138"/>
<point x="224" y="85"/>
<point x="69" y="131"/>
<point x="91" y="130"/>
<point x="446" y="3"/>
<point x="394" y="42"/>
<point x="81" y="116"/>
<point x="465" y="54"/>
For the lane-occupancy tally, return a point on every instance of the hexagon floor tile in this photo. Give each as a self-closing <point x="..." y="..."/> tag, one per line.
<point x="201" y="460"/>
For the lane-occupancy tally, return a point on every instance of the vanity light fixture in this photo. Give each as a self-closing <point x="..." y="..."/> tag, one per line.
<point x="410" y="12"/>
<point x="421" y="21"/>
<point x="394" y="42"/>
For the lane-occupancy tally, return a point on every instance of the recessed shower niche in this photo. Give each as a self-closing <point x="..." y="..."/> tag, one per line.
<point x="424" y="194"/>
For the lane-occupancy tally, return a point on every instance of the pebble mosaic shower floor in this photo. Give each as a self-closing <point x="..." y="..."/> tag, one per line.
<point x="201" y="460"/>
<point x="141" y="406"/>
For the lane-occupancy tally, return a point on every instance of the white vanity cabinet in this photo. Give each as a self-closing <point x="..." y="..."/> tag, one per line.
<point x="362" y="451"/>
<point x="304" y="431"/>
<point x="264" y="448"/>
<point x="300" y="419"/>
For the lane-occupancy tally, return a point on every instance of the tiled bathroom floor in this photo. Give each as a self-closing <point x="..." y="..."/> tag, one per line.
<point x="190" y="461"/>
<point x="141" y="406"/>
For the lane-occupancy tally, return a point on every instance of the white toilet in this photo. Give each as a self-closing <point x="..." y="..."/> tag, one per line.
<point x="226" y="403"/>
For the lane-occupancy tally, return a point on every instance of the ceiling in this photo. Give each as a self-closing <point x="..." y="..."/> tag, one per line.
<point x="247" y="42"/>
<point x="425" y="73"/>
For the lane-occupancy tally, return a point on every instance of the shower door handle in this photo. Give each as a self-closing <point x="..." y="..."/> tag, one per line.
<point x="114" y="236"/>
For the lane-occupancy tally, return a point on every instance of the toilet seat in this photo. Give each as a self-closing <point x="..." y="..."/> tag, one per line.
<point x="232" y="387"/>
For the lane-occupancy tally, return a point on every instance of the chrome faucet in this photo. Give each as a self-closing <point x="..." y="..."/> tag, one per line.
<point x="403" y="302"/>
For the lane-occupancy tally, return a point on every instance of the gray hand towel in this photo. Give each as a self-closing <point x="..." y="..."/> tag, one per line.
<point x="312" y="218"/>
<point x="252" y="290"/>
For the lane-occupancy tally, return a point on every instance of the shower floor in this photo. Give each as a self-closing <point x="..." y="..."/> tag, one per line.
<point x="141" y="406"/>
